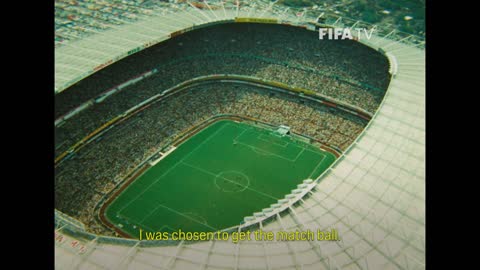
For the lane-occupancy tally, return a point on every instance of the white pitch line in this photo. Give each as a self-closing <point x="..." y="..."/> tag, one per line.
<point x="171" y="168"/>
<point x="299" y="154"/>
<point x="181" y="214"/>
<point x="134" y="222"/>
<point x="323" y="157"/>
<point x="256" y="149"/>
<point x="265" y="140"/>
<point x="236" y="138"/>
<point x="150" y="213"/>
<point x="217" y="175"/>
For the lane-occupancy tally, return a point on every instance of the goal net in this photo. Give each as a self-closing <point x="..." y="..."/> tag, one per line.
<point x="283" y="130"/>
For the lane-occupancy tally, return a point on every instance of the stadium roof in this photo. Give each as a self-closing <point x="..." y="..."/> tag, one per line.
<point x="76" y="59"/>
<point x="374" y="194"/>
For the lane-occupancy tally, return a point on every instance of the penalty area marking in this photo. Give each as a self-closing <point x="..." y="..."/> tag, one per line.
<point x="265" y="152"/>
<point x="261" y="137"/>
<point x="170" y="169"/>
<point x="165" y="227"/>
<point x="320" y="162"/>
<point x="196" y="217"/>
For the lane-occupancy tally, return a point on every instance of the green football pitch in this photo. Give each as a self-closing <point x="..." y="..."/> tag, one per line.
<point x="224" y="173"/>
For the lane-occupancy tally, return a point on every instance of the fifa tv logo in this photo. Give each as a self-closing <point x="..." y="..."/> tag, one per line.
<point x="344" y="33"/>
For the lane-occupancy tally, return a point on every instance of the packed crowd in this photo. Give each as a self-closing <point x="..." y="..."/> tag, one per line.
<point x="82" y="181"/>
<point x="345" y="70"/>
<point x="334" y="69"/>
<point x="76" y="19"/>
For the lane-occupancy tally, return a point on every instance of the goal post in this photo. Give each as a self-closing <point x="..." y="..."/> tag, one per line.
<point x="283" y="130"/>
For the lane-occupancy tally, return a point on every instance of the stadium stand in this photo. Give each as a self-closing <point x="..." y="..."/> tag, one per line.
<point x="317" y="65"/>
<point x="95" y="170"/>
<point x="374" y="194"/>
<point x="333" y="69"/>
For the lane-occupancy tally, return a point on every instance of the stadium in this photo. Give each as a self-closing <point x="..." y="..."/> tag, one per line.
<point x="230" y="117"/>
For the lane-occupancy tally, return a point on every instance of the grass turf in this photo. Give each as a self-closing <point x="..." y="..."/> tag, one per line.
<point x="212" y="181"/>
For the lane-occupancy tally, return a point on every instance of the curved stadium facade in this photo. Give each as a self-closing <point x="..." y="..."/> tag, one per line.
<point x="126" y="96"/>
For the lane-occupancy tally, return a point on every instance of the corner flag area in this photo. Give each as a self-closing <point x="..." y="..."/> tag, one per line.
<point x="225" y="172"/>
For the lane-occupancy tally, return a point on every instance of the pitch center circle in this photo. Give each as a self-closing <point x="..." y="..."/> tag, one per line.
<point x="232" y="181"/>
